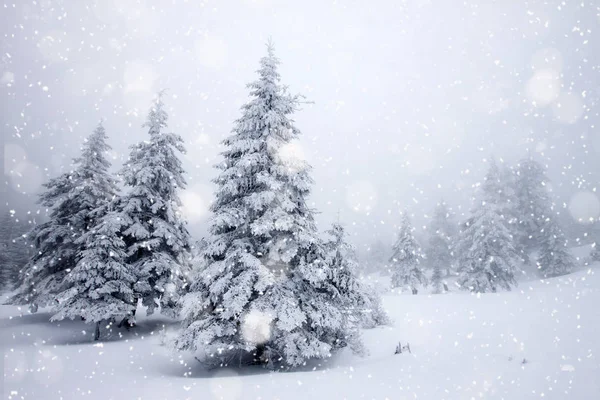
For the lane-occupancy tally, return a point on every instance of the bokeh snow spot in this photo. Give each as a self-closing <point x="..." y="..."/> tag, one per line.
<point x="195" y="203"/>
<point x="543" y="87"/>
<point x="202" y="140"/>
<point x="584" y="207"/>
<point x="256" y="327"/>
<point x="292" y="156"/>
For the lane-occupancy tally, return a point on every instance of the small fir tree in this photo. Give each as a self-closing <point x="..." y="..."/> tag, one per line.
<point x="72" y="199"/>
<point x="487" y="257"/>
<point x="554" y="257"/>
<point x="361" y="300"/>
<point x="406" y="260"/>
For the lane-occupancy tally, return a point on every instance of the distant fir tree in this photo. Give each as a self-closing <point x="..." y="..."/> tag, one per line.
<point x="487" y="258"/>
<point x="72" y="199"/>
<point x="554" y="257"/>
<point x="361" y="300"/>
<point x="406" y="260"/>
<point x="153" y="229"/>
<point x="440" y="255"/>
<point x="100" y="287"/>
<point x="538" y="222"/>
<point x="14" y="252"/>
<point x="265" y="293"/>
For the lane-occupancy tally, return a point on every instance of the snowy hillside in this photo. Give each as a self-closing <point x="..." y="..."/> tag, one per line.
<point x="463" y="346"/>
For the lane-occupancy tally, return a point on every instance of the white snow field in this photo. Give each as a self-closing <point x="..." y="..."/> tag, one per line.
<point x="463" y="347"/>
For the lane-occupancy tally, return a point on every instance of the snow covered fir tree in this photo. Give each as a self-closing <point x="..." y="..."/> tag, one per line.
<point x="360" y="300"/>
<point x="554" y="257"/>
<point x="440" y="255"/>
<point x="406" y="262"/>
<point x="487" y="257"/>
<point x="157" y="242"/>
<point x="538" y="222"/>
<point x="72" y="199"/>
<point x="265" y="293"/>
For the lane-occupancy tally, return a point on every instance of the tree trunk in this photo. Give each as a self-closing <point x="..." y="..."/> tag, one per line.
<point x="414" y="291"/>
<point x="97" y="331"/>
<point x="128" y="321"/>
<point x="258" y="356"/>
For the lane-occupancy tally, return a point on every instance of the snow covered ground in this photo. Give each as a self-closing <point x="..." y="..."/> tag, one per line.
<point x="463" y="346"/>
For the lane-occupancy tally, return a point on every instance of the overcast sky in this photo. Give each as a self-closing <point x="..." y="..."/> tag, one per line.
<point x="409" y="98"/>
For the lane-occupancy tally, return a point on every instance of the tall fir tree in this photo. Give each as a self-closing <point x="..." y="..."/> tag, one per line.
<point x="153" y="229"/>
<point x="487" y="256"/>
<point x="71" y="199"/>
<point x="440" y="255"/>
<point x="361" y="300"/>
<point x="406" y="260"/>
<point x="539" y="223"/>
<point x="265" y="292"/>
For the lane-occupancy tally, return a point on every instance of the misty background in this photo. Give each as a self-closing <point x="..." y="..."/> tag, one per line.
<point x="408" y="99"/>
